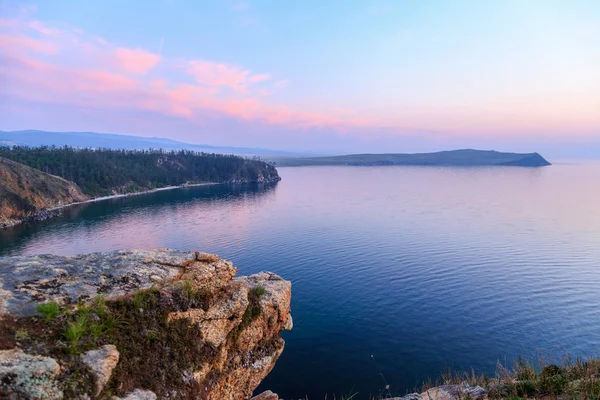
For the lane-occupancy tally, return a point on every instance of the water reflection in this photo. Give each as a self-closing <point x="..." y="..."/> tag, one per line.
<point x="136" y="221"/>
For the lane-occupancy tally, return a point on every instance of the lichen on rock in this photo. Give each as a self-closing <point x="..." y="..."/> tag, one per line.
<point x="23" y="376"/>
<point x="130" y="324"/>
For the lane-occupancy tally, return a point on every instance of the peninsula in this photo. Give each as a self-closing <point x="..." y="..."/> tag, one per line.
<point x="36" y="181"/>
<point x="459" y="158"/>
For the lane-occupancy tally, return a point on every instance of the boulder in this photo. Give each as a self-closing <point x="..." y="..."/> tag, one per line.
<point x="24" y="376"/>
<point x="138" y="395"/>
<point x="101" y="362"/>
<point x="268" y="395"/>
<point x="449" y="392"/>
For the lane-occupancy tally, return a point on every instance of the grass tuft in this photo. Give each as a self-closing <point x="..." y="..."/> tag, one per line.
<point x="75" y="331"/>
<point x="258" y="290"/>
<point x="48" y="310"/>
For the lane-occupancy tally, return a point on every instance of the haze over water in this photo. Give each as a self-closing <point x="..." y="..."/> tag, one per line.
<point x="423" y="267"/>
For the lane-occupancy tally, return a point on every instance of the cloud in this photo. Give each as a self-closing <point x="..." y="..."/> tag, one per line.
<point x="282" y="83"/>
<point x="19" y="43"/>
<point x="43" y="28"/>
<point x="219" y="74"/>
<point x="74" y="69"/>
<point x="136" y="61"/>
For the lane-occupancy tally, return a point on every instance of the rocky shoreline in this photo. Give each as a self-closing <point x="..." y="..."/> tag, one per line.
<point x="37" y="217"/>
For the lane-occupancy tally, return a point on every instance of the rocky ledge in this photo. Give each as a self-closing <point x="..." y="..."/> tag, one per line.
<point x="446" y="392"/>
<point x="137" y="325"/>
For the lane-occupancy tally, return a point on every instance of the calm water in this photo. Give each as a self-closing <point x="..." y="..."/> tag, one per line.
<point x="423" y="267"/>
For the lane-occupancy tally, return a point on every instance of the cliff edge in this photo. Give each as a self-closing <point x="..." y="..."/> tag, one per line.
<point x="26" y="192"/>
<point x="141" y="324"/>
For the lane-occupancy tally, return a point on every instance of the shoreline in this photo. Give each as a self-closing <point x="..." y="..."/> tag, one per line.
<point x="48" y="213"/>
<point x="117" y="196"/>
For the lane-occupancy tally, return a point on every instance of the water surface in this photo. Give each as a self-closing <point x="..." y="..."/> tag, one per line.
<point x="423" y="267"/>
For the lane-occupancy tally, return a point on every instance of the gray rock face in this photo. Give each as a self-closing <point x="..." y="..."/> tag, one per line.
<point x="138" y="395"/>
<point x="268" y="395"/>
<point x="23" y="376"/>
<point x="31" y="279"/>
<point x="449" y="392"/>
<point x="101" y="362"/>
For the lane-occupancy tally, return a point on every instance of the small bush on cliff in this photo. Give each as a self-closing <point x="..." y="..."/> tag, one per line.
<point x="258" y="290"/>
<point x="253" y="309"/>
<point x="48" y="310"/>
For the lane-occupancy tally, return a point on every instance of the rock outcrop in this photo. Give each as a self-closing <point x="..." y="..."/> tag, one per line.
<point x="137" y="325"/>
<point x="27" y="193"/>
<point x="446" y="392"/>
<point x="449" y="392"/>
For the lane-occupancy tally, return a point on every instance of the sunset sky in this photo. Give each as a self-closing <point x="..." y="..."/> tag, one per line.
<point x="322" y="76"/>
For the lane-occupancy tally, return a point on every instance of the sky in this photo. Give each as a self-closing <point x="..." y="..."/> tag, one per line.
<point x="320" y="76"/>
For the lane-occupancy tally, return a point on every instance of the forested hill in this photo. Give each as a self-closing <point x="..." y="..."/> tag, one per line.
<point x="461" y="158"/>
<point x="100" y="172"/>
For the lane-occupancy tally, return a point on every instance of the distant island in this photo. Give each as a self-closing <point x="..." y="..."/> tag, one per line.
<point x="459" y="158"/>
<point x="34" y="181"/>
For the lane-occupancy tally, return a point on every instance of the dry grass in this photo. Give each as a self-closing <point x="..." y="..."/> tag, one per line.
<point x="571" y="378"/>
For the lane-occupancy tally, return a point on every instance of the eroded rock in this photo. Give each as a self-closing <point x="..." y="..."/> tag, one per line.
<point x="101" y="362"/>
<point x="268" y="395"/>
<point x="138" y="395"/>
<point x="181" y="324"/>
<point x="449" y="392"/>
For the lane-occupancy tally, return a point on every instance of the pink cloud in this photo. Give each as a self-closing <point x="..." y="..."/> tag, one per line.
<point x="19" y="43"/>
<point x="113" y="80"/>
<point x="43" y="28"/>
<point x="260" y="78"/>
<point x="219" y="74"/>
<point x="136" y="61"/>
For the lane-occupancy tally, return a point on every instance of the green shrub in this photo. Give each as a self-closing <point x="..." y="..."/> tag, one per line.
<point x="113" y="321"/>
<point x="100" y="306"/>
<point x="526" y="388"/>
<point x="96" y="330"/>
<point x="75" y="331"/>
<point x="258" y="290"/>
<point x="48" y="310"/>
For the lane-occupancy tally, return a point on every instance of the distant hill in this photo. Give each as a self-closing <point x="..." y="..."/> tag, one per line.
<point x="443" y="158"/>
<point x="34" y="138"/>
<point x="25" y="192"/>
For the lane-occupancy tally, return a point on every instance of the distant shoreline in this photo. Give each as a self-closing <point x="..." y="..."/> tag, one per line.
<point x="117" y="196"/>
<point x="48" y="213"/>
<point x="452" y="158"/>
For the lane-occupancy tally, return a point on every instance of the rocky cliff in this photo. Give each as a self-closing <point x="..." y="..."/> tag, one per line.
<point x="137" y="325"/>
<point x="26" y="192"/>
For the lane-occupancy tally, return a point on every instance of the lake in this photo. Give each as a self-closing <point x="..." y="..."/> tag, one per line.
<point x="424" y="268"/>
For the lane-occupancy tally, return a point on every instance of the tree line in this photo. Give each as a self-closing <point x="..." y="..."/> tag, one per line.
<point x="100" y="172"/>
